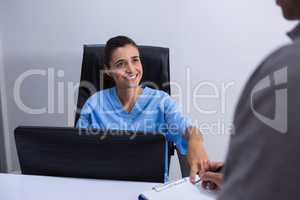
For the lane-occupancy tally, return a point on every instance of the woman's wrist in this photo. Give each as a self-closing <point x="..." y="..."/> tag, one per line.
<point x="193" y="135"/>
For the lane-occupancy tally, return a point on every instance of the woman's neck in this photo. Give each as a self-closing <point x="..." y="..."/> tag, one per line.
<point x="128" y="96"/>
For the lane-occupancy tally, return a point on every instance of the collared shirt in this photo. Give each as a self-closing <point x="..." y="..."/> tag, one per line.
<point x="295" y="33"/>
<point x="263" y="160"/>
<point x="154" y="111"/>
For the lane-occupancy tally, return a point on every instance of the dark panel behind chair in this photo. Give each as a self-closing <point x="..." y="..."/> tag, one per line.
<point x="84" y="153"/>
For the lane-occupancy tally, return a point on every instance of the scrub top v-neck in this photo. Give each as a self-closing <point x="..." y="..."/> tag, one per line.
<point x="136" y="109"/>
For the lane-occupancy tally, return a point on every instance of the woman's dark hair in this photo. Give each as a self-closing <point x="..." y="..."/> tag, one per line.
<point x="114" y="43"/>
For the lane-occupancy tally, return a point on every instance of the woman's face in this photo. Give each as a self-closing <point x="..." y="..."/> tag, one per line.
<point x="125" y="67"/>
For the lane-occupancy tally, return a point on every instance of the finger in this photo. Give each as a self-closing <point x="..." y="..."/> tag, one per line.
<point x="204" y="184"/>
<point x="211" y="176"/>
<point x="211" y="181"/>
<point x="193" y="173"/>
<point x="200" y="164"/>
<point x="203" y="165"/>
<point x="215" y="165"/>
<point x="206" y="165"/>
<point x="219" y="164"/>
<point x="208" y="185"/>
<point x="200" y="172"/>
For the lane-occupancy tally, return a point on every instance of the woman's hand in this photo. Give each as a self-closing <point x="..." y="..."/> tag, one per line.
<point x="196" y="155"/>
<point x="211" y="179"/>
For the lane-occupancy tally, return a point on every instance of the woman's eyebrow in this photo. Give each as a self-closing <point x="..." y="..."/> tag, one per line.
<point x="122" y="60"/>
<point x="135" y="57"/>
<point x="118" y="61"/>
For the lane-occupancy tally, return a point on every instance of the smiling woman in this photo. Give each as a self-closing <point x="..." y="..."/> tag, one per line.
<point x="131" y="106"/>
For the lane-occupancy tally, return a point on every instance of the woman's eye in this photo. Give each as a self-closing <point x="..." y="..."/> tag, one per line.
<point x="121" y="64"/>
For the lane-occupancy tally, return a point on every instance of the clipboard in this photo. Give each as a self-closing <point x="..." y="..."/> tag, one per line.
<point x="178" y="190"/>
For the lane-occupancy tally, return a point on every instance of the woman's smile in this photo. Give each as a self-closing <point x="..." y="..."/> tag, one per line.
<point x="131" y="76"/>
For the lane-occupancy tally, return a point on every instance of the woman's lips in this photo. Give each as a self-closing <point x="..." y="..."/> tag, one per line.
<point x="131" y="77"/>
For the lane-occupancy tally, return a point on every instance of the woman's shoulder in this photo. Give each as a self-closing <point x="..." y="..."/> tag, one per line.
<point x="94" y="98"/>
<point x="159" y="96"/>
<point x="156" y="92"/>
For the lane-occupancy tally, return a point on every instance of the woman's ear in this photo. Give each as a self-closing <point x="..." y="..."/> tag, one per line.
<point x="106" y="70"/>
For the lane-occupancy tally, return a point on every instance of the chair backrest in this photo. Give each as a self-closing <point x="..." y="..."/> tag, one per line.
<point x="88" y="153"/>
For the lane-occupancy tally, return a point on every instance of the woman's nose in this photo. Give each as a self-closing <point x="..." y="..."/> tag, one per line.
<point x="130" y="68"/>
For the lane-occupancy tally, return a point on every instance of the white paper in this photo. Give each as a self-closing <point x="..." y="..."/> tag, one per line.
<point x="182" y="189"/>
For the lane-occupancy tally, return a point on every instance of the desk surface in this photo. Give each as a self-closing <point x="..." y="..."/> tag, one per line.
<point x="24" y="187"/>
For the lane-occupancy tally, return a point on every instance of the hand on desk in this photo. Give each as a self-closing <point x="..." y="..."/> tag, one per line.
<point x="213" y="179"/>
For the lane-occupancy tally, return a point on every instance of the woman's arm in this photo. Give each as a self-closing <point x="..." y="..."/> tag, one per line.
<point x="196" y="155"/>
<point x="84" y="120"/>
<point x="187" y="138"/>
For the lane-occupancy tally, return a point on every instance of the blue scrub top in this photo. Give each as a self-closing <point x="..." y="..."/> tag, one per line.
<point x="154" y="111"/>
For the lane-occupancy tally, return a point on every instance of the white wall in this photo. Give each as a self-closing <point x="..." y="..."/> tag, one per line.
<point x="3" y="141"/>
<point x="219" y="41"/>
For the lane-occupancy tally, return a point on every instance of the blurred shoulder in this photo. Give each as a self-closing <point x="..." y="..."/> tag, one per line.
<point x="99" y="95"/>
<point x="155" y="92"/>
<point x="285" y="58"/>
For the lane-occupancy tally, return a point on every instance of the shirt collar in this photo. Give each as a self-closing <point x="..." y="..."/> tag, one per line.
<point x="137" y="108"/>
<point x="295" y="33"/>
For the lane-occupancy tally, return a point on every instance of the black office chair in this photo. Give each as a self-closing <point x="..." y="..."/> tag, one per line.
<point x="156" y="74"/>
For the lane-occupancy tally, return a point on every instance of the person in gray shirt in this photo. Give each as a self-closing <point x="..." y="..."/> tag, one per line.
<point x="263" y="161"/>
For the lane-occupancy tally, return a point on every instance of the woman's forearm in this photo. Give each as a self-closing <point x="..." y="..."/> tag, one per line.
<point x="193" y="133"/>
